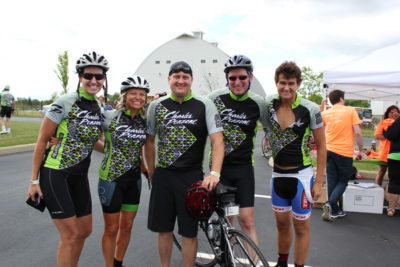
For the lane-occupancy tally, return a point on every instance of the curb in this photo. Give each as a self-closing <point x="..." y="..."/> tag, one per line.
<point x="16" y="149"/>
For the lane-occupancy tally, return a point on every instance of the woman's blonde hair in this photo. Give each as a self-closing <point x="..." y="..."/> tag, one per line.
<point x="122" y="106"/>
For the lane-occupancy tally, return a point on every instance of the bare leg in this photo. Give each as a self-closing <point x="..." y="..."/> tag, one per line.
<point x="124" y="233"/>
<point x="380" y="175"/>
<point x="73" y="232"/>
<point x="165" y="248"/>
<point x="302" y="241"/>
<point x="111" y="225"/>
<point x="285" y="234"/>
<point x="392" y="199"/>
<point x="246" y="221"/>
<point x="189" y="248"/>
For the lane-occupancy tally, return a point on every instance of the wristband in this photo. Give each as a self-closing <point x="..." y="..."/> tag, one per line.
<point x="34" y="182"/>
<point x="216" y="174"/>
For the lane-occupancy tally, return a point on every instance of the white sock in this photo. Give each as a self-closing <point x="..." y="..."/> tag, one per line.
<point x="3" y="128"/>
<point x="9" y="130"/>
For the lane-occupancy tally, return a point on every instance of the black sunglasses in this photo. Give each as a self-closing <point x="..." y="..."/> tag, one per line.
<point x="89" y="76"/>
<point x="241" y="77"/>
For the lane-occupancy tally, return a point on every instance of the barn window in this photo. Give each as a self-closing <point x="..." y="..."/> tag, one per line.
<point x="215" y="60"/>
<point x="157" y="62"/>
<point x="203" y="61"/>
<point x="168" y="61"/>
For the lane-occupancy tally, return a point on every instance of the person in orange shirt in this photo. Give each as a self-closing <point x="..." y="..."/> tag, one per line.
<point x="342" y="124"/>
<point x="391" y="114"/>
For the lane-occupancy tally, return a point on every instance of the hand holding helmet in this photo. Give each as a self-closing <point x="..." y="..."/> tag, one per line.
<point x="199" y="201"/>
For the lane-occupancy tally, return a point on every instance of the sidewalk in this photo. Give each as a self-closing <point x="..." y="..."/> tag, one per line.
<point x="16" y="149"/>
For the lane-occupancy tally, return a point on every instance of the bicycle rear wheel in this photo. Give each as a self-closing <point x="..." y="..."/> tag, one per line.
<point x="245" y="251"/>
<point x="205" y="256"/>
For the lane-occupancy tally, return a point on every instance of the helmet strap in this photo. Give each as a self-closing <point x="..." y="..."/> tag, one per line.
<point x="105" y="88"/>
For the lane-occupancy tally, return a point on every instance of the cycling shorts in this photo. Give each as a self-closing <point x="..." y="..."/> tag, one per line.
<point x="394" y="176"/>
<point x="66" y="195"/>
<point x="167" y="201"/>
<point x="291" y="190"/>
<point x="241" y="177"/>
<point x="6" y="111"/>
<point x="122" y="194"/>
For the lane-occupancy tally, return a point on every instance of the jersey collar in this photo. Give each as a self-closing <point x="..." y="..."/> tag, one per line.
<point x="128" y="112"/>
<point x="239" y="98"/>
<point x="85" y="94"/>
<point x="186" y="98"/>
<point x="296" y="102"/>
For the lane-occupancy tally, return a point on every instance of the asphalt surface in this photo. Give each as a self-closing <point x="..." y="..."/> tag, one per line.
<point x="28" y="237"/>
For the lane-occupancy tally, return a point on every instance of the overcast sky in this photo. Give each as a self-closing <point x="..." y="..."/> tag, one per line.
<point x="316" y="33"/>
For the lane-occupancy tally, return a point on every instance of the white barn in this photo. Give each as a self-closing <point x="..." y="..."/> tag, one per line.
<point x="205" y="58"/>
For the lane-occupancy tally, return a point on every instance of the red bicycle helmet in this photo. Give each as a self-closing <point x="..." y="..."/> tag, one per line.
<point x="200" y="202"/>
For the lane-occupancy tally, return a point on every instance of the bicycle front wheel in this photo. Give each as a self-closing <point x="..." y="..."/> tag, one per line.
<point x="245" y="251"/>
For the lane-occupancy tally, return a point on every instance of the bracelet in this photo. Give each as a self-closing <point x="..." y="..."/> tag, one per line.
<point x="34" y="181"/>
<point x="216" y="174"/>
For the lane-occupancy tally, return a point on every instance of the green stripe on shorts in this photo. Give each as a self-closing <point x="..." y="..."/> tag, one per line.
<point x="129" y="207"/>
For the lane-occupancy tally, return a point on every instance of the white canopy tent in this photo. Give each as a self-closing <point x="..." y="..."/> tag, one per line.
<point x="372" y="77"/>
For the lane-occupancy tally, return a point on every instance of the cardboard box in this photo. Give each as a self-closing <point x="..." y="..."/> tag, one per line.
<point x="368" y="200"/>
<point x="323" y="198"/>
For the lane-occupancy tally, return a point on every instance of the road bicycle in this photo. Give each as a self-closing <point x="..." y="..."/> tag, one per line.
<point x="219" y="242"/>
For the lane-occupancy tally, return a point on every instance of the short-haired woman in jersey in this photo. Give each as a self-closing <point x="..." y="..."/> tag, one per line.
<point x="60" y="173"/>
<point x="120" y="171"/>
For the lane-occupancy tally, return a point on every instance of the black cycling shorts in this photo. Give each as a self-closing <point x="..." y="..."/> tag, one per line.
<point x="241" y="177"/>
<point x="66" y="195"/>
<point x="6" y="111"/>
<point x="167" y="201"/>
<point x="394" y="176"/>
<point x="122" y="194"/>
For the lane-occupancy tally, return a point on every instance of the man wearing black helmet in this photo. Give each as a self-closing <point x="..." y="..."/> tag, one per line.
<point x="240" y="109"/>
<point x="182" y="123"/>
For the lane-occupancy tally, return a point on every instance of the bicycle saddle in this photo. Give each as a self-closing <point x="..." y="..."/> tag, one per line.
<point x="223" y="189"/>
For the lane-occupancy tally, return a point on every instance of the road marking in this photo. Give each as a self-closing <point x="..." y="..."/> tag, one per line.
<point x="211" y="256"/>
<point x="262" y="196"/>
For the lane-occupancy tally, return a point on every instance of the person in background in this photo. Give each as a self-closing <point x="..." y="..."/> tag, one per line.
<point x="158" y="95"/>
<point x="75" y="120"/>
<point x="393" y="135"/>
<point x="391" y="114"/>
<point x="120" y="171"/>
<point x="7" y="109"/>
<point x="342" y="126"/>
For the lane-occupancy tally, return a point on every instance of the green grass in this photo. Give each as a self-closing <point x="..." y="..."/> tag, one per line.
<point x="367" y="132"/>
<point x="28" y="113"/>
<point x="363" y="165"/>
<point x="21" y="133"/>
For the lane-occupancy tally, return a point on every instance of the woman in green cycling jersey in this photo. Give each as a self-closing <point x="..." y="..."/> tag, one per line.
<point x="75" y="120"/>
<point x="120" y="171"/>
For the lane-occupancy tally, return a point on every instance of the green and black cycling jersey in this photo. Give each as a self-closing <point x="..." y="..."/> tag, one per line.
<point x="290" y="146"/>
<point x="79" y="127"/>
<point x="124" y="138"/>
<point x="239" y="116"/>
<point x="182" y="130"/>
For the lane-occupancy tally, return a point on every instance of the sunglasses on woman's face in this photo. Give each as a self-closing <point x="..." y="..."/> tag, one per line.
<point x="241" y="77"/>
<point x="89" y="76"/>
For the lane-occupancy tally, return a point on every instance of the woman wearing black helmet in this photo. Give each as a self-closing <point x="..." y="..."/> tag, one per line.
<point x="75" y="120"/>
<point x="120" y="181"/>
